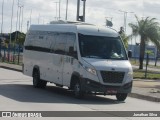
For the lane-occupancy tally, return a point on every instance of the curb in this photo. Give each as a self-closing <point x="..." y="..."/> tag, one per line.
<point x="144" y="97"/>
<point x="9" y="68"/>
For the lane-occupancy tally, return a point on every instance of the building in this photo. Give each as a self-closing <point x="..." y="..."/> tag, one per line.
<point x="136" y="51"/>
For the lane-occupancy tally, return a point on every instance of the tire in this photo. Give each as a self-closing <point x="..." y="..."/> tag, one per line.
<point x="77" y="90"/>
<point x="37" y="82"/>
<point x="121" y="96"/>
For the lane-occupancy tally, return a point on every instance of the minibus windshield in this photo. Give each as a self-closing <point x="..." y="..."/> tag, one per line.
<point x="101" y="47"/>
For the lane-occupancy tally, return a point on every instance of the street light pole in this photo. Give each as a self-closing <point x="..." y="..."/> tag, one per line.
<point x="125" y="19"/>
<point x="1" y="29"/>
<point x="20" y="6"/>
<point x="10" y="33"/>
<point x="78" y="9"/>
<point x="22" y="19"/>
<point x="16" y="31"/>
<point x="84" y="10"/>
<point x="66" y="9"/>
<point x="59" y="9"/>
<point x="56" y="10"/>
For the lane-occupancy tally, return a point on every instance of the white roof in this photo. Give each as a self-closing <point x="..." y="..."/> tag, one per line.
<point x="76" y="27"/>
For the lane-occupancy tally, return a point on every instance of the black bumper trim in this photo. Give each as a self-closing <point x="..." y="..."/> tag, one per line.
<point x="92" y="86"/>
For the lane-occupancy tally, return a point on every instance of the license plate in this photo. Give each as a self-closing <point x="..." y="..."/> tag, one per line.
<point x="111" y="91"/>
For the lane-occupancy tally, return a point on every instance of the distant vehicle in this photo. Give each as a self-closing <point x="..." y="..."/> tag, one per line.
<point x="84" y="57"/>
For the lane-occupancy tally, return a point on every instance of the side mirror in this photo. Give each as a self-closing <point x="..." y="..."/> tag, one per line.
<point x="129" y="53"/>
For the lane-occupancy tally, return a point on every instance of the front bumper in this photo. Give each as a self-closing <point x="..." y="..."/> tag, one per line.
<point x="88" y="86"/>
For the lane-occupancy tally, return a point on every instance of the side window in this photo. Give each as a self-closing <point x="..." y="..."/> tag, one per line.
<point x="71" y="49"/>
<point x="60" y="44"/>
<point x="52" y="37"/>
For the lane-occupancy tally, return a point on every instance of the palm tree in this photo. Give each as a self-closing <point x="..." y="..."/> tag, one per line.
<point x="148" y="30"/>
<point x="124" y="37"/>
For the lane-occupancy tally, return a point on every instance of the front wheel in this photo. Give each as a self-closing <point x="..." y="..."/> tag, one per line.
<point x="121" y="96"/>
<point x="37" y="82"/>
<point x="78" y="93"/>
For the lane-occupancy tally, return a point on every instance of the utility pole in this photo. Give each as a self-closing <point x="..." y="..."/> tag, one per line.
<point x="56" y="10"/>
<point x="81" y="18"/>
<point x="59" y="9"/>
<point x="20" y="11"/>
<point x="125" y="19"/>
<point x="22" y="19"/>
<point x="78" y="8"/>
<point x="30" y="17"/>
<point x="84" y="10"/>
<point x="10" y="33"/>
<point x="16" y="30"/>
<point x="27" y="25"/>
<point x="1" y="28"/>
<point x="66" y="9"/>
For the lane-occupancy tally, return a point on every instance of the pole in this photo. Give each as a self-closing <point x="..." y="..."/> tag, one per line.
<point x="30" y="17"/>
<point x="66" y="9"/>
<point x="19" y="30"/>
<point x="125" y="19"/>
<point x="59" y="9"/>
<point x="16" y="32"/>
<point x="56" y="18"/>
<point x="84" y="9"/>
<point x="22" y="19"/>
<point x="1" y="29"/>
<point x="2" y="17"/>
<point x="147" y="60"/>
<point x="78" y="8"/>
<point x="10" y="33"/>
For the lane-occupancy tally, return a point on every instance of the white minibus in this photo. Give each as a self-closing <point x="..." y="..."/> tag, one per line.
<point x="83" y="57"/>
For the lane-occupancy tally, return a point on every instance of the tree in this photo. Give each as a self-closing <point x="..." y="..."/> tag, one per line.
<point x="21" y="39"/>
<point x="124" y="37"/>
<point x="148" y="30"/>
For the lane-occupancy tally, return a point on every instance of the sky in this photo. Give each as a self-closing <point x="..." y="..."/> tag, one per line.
<point x="97" y="11"/>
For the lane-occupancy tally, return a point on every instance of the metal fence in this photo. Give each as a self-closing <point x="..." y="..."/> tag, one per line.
<point x="15" y="58"/>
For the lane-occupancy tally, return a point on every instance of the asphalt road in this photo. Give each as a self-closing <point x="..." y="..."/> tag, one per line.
<point x="18" y="94"/>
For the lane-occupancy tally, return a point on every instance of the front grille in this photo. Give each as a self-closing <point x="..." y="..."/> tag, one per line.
<point x="112" y="76"/>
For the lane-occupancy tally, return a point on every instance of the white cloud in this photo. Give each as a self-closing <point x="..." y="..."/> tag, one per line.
<point x="96" y="11"/>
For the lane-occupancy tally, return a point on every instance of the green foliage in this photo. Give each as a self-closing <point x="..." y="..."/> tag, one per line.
<point x="149" y="30"/>
<point x="21" y="38"/>
<point x="125" y="39"/>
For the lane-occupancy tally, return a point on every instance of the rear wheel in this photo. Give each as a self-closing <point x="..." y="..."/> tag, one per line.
<point x="37" y="82"/>
<point x="121" y="96"/>
<point x="78" y="93"/>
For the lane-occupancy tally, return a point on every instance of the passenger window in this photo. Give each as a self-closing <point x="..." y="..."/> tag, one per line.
<point x="71" y="45"/>
<point x="52" y="39"/>
<point x="60" y="44"/>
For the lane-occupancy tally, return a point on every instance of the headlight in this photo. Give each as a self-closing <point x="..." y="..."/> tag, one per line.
<point x="130" y="74"/>
<point x="90" y="70"/>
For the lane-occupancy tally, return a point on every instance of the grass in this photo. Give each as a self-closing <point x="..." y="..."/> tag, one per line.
<point x="136" y="62"/>
<point x="140" y="74"/>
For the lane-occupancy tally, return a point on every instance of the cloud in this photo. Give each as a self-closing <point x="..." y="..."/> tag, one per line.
<point x="96" y="11"/>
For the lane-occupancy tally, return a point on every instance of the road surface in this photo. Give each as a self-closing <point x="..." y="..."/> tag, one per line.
<point x="18" y="94"/>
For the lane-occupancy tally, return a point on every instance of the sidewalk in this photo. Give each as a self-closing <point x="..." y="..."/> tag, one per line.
<point x="142" y="89"/>
<point x="146" y="89"/>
